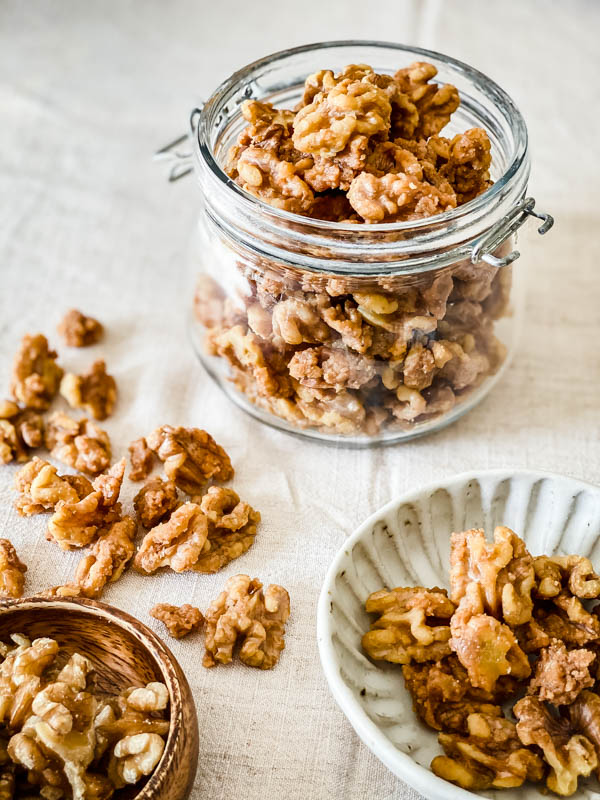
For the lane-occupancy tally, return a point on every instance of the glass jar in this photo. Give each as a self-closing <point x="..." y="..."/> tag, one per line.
<point x="361" y="333"/>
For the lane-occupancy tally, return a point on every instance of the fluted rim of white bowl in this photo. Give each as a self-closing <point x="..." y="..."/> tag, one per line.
<point x="420" y="778"/>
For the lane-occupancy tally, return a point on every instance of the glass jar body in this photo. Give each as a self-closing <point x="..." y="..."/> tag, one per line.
<point x="363" y="359"/>
<point x="361" y="334"/>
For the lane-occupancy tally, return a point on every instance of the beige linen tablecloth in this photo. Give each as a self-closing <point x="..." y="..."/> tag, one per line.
<point x="87" y="91"/>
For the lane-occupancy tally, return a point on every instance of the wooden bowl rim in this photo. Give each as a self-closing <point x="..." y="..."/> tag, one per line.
<point x="174" y="677"/>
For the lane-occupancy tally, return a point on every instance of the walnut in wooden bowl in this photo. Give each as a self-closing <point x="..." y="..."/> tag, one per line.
<point x="123" y="653"/>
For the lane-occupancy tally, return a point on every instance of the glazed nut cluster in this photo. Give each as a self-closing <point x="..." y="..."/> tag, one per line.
<point x="357" y="355"/>
<point x="63" y="739"/>
<point x="362" y="147"/>
<point x="514" y="626"/>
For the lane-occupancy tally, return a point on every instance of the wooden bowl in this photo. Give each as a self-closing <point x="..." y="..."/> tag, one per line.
<point x="124" y="653"/>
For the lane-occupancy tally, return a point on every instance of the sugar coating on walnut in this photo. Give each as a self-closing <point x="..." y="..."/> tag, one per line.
<point x="141" y="458"/>
<point x="244" y="613"/>
<point x="572" y="571"/>
<point x="107" y="559"/>
<point x="191" y="457"/>
<point x="95" y="391"/>
<point x="76" y="524"/>
<point x="36" y="375"/>
<point x="79" y="330"/>
<point x="155" y="501"/>
<point x="406" y="628"/>
<point x="176" y="543"/>
<point x="12" y="571"/>
<point x="178" y="620"/>
<point x="561" y="674"/>
<point x="80" y="444"/>
<point x="40" y="487"/>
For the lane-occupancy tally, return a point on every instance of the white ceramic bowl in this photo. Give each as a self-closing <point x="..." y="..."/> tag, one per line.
<point x="406" y="543"/>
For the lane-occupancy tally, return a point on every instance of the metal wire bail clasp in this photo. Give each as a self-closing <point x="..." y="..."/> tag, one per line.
<point x="483" y="250"/>
<point x="178" y="156"/>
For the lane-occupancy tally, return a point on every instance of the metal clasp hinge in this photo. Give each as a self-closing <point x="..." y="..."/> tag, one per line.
<point x="483" y="250"/>
<point x="180" y="160"/>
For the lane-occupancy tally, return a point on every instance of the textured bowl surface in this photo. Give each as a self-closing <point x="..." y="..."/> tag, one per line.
<point x="407" y="543"/>
<point x="124" y="653"/>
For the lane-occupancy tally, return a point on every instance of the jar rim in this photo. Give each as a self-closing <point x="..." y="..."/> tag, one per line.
<point x="518" y="158"/>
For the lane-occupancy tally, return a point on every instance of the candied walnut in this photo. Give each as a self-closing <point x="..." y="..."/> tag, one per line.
<point x="561" y="674"/>
<point x="76" y="524"/>
<point x="489" y="756"/>
<point x="443" y="698"/>
<point x="296" y="322"/>
<point x="36" y="375"/>
<point x="569" y="755"/>
<point x="419" y="368"/>
<point x="191" y="457"/>
<point x="347" y="320"/>
<point x="155" y="501"/>
<point x="231" y="531"/>
<point x="434" y="104"/>
<point x="78" y="330"/>
<point x="468" y="167"/>
<point x="531" y="636"/>
<point x="142" y="460"/>
<point x="276" y="182"/>
<point x="337" y="172"/>
<point x="568" y="620"/>
<point x="398" y="197"/>
<point x="503" y="570"/>
<point x="12" y="571"/>
<point x="486" y="647"/>
<point x="331" y="367"/>
<point x="406" y="629"/>
<point x="340" y="411"/>
<point x="95" y="391"/>
<point x="108" y="558"/>
<point x="133" y="757"/>
<point x="176" y="543"/>
<point x="573" y="572"/>
<point x="584" y="715"/>
<point x="41" y="488"/>
<point x="343" y="110"/>
<point x="242" y="349"/>
<point x="244" y="611"/>
<point x="79" y="444"/>
<point x="179" y="620"/>
<point x="20" y="673"/>
<point x="20" y="430"/>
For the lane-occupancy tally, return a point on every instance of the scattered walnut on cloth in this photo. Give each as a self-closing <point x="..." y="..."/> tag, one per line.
<point x="78" y="330"/>
<point x="155" y="501"/>
<point x="142" y="459"/>
<point x="191" y="457"/>
<point x="77" y="523"/>
<point x="12" y="571"/>
<point x="108" y="558"/>
<point x="40" y="487"/>
<point x="178" y="620"/>
<point x="176" y="543"/>
<point x="36" y="375"/>
<point x="78" y="443"/>
<point x="21" y="430"/>
<point x="95" y="391"/>
<point x="243" y="611"/>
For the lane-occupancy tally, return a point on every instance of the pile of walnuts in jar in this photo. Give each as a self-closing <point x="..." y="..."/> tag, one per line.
<point x="358" y="355"/>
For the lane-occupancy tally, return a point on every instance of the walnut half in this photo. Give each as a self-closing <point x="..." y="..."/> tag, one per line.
<point x="243" y="611"/>
<point x="12" y="571"/>
<point x="178" y="620"/>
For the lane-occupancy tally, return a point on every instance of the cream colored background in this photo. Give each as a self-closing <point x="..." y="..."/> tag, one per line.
<point x="87" y="91"/>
